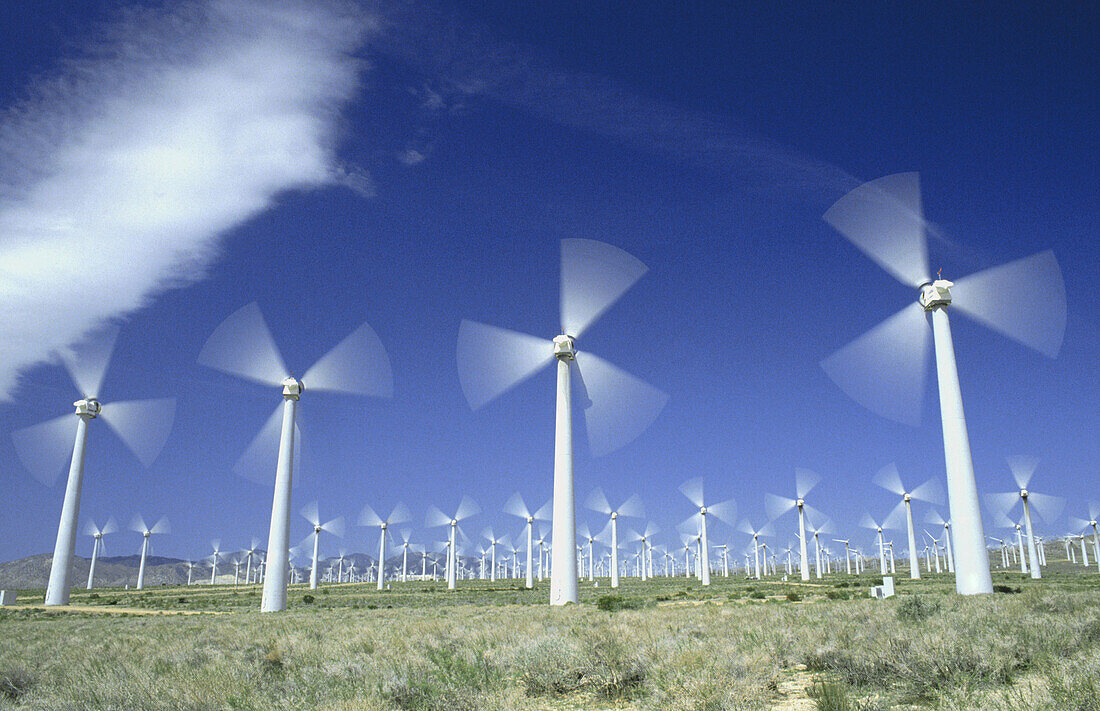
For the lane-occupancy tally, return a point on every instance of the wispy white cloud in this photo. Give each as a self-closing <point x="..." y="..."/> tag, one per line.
<point x="128" y="162"/>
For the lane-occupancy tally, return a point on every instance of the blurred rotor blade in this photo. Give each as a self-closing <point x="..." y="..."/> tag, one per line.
<point x="516" y="507"/>
<point x="46" y="449"/>
<point x="776" y="506"/>
<point x="804" y="480"/>
<point x="367" y="517"/>
<point x="255" y="544"/>
<point x="335" y="526"/>
<point x="1048" y="507"/>
<point x="889" y="478"/>
<point x="584" y="532"/>
<point x="725" y="511"/>
<point x="493" y="360"/>
<point x="487" y="534"/>
<point x="1002" y="504"/>
<point x="87" y="362"/>
<point x="824" y="526"/>
<point x="259" y="461"/>
<point x="632" y="507"/>
<point x="691" y="524"/>
<point x="161" y="526"/>
<point x="138" y="524"/>
<point x="216" y="544"/>
<point x="930" y="491"/>
<point x="651" y="530"/>
<point x="467" y="508"/>
<point x="868" y="522"/>
<point x="629" y="535"/>
<point x="994" y="298"/>
<point x="593" y="277"/>
<point x="91" y="529"/>
<point x="811" y="511"/>
<point x="1094" y="510"/>
<point x="400" y="514"/>
<point x="311" y="514"/>
<point x="545" y="512"/>
<point x="884" y="369"/>
<point x="934" y="516"/>
<point x="746" y="527"/>
<point x="358" y="365"/>
<point x="596" y="501"/>
<point x="896" y="518"/>
<point x="693" y="490"/>
<point x="110" y="527"/>
<point x="435" y="517"/>
<point x="884" y="220"/>
<point x="1022" y="468"/>
<point x="619" y="406"/>
<point x="766" y="530"/>
<point x="144" y="425"/>
<point x="1078" y="524"/>
<point x="243" y="346"/>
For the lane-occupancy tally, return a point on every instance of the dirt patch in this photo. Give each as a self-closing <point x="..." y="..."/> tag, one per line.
<point x="794" y="692"/>
<point x="113" y="610"/>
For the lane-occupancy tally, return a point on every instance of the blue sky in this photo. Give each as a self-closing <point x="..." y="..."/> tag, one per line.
<point x="411" y="165"/>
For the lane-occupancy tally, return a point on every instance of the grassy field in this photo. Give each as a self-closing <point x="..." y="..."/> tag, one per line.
<point x="661" y="644"/>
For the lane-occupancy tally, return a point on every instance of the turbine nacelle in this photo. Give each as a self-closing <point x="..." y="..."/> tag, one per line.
<point x="563" y="347"/>
<point x="292" y="388"/>
<point x="936" y="293"/>
<point x="1023" y="494"/>
<point x="907" y="497"/>
<point x="88" y="407"/>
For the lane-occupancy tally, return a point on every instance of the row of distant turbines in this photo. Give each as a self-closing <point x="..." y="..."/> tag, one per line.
<point x="884" y="370"/>
<point x="759" y="557"/>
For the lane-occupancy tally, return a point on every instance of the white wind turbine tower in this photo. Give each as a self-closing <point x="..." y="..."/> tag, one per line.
<point x="217" y="545"/>
<point x="646" y="539"/>
<point x="97" y="535"/>
<point x="405" y="546"/>
<point x="885" y="369"/>
<point x="631" y="508"/>
<point x="243" y="346"/>
<point x="766" y="530"/>
<point x="617" y="406"/>
<point x="889" y="478"/>
<point x="249" y="554"/>
<point x="138" y="525"/>
<point x="190" y="568"/>
<point x="466" y="509"/>
<point x="723" y="511"/>
<point x="934" y="517"/>
<point x="586" y="534"/>
<point x="869" y="522"/>
<point x="493" y="543"/>
<point x="1083" y="525"/>
<point x="847" y="554"/>
<point x="143" y="425"/>
<point x="823" y="526"/>
<point x="1049" y="507"/>
<point x="368" y="517"/>
<point x="516" y="507"/>
<point x="335" y="527"/>
<point x="776" y="506"/>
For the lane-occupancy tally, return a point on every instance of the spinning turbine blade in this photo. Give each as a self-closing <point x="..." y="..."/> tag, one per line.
<point x="257" y="464"/>
<point x="335" y="526"/>
<point x="358" y="365"/>
<point x="493" y="360"/>
<point x="597" y="501"/>
<point x="160" y="526"/>
<point x="619" y="408"/>
<point x="367" y="517"/>
<point x="889" y="478"/>
<point x="400" y="514"/>
<point x="776" y="506"/>
<point x="724" y="511"/>
<point x="693" y="490"/>
<point x="109" y="527"/>
<point x="804" y="480"/>
<point x="546" y="512"/>
<point x="1024" y="300"/>
<point x="466" y="508"/>
<point x="884" y="220"/>
<point x="1048" y="507"/>
<point x="593" y="277"/>
<point x="516" y="507"/>
<point x="143" y="425"/>
<point x="435" y="517"/>
<point x="87" y="362"/>
<point x="243" y="346"/>
<point x="868" y="522"/>
<point x="884" y="369"/>
<point x="632" y="507"/>
<point x="311" y="514"/>
<point x="1022" y="468"/>
<point x="929" y="491"/>
<point x="46" y="449"/>
<point x="138" y="524"/>
<point x="1001" y="504"/>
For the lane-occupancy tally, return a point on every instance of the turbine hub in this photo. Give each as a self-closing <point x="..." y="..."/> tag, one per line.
<point x="614" y="515"/>
<point x="907" y="497"/>
<point x="703" y="510"/>
<point x="383" y="525"/>
<point x="454" y="522"/>
<point x="936" y="293"/>
<point x="1023" y="493"/>
<point x="530" y="519"/>
<point x="316" y="529"/>
<point x="292" y="389"/>
<point x="88" y="407"/>
<point x="563" y="347"/>
<point x="799" y="503"/>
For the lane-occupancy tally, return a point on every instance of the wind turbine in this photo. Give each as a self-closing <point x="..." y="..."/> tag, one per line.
<point x="243" y="346"/>
<point x="1081" y="524"/>
<point x="217" y="545"/>
<point x="1049" y="507"/>
<point x="586" y="534"/>
<point x="847" y="554"/>
<point x="142" y="425"/>
<point x="138" y="525"/>
<point x="493" y="543"/>
<point x="869" y="522"/>
<point x="724" y="511"/>
<point x="617" y="406"/>
<point x="934" y="517"/>
<point x="97" y="535"/>
<point x="776" y="506"/>
<point x="249" y="553"/>
<point x="516" y="507"/>
<point x="335" y="527"/>
<point x="466" y="509"/>
<point x="889" y="478"/>
<point x="646" y="539"/>
<point x="190" y="568"/>
<point x="631" y="508"/>
<point x="884" y="370"/>
<point x="368" y="517"/>
<point x="765" y="530"/>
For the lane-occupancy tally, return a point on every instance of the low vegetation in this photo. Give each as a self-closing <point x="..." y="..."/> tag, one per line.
<point x="665" y="644"/>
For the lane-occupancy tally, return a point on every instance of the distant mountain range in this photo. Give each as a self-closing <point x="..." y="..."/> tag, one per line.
<point x="33" y="572"/>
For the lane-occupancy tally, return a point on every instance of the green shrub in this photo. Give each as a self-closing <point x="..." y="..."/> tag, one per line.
<point x="794" y="597"/>
<point x="15" y="682"/>
<point x="837" y="594"/>
<point x="1007" y="589"/>
<point x="831" y="696"/>
<point x="757" y="595"/>
<point x="308" y="599"/>
<point x="611" y="603"/>
<point x="916" y="608"/>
